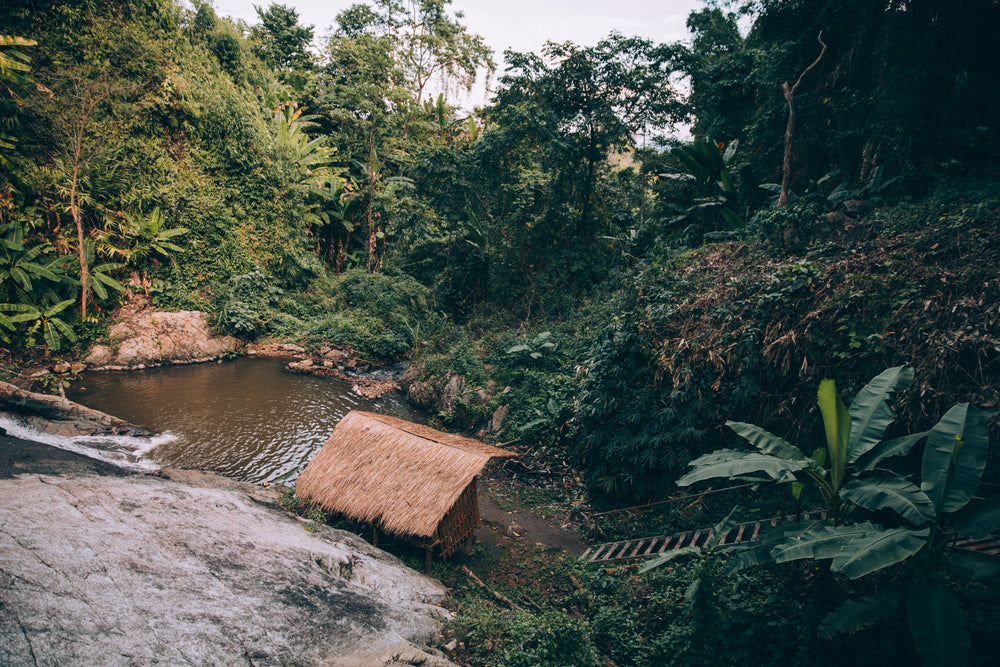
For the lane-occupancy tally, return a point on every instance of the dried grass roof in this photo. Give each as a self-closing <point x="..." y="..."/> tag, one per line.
<point x="398" y="475"/>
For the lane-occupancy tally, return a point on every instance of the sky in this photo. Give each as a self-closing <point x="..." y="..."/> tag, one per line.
<point x="521" y="25"/>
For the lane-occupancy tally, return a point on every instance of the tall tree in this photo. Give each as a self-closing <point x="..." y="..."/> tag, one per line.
<point x="582" y="104"/>
<point x="281" y="41"/>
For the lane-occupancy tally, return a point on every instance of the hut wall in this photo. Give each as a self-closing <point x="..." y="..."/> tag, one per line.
<point x="457" y="525"/>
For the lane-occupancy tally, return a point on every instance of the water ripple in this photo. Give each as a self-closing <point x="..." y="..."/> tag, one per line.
<point x="248" y="419"/>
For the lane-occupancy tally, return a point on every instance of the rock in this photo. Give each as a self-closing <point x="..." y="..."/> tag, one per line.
<point x="327" y="363"/>
<point x="411" y="374"/>
<point x="155" y="572"/>
<point x="496" y="421"/>
<point x="302" y="364"/>
<point x="150" y="338"/>
<point x="857" y="208"/>
<point x="61" y="368"/>
<point x="60" y="417"/>
<point x="289" y="347"/>
<point x="335" y="355"/>
<point x="99" y="356"/>
<point x="834" y="221"/>
<point x="451" y="392"/>
<point x="77" y="367"/>
<point x="422" y="394"/>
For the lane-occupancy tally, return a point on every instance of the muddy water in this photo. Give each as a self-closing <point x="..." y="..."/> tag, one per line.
<point x="248" y="419"/>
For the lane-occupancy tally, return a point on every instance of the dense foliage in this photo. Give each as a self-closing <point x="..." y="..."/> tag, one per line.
<point x="633" y="290"/>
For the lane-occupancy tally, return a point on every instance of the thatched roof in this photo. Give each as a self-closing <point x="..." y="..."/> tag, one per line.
<point x="398" y="475"/>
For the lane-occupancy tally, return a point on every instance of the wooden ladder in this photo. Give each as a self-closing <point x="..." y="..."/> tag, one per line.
<point x="741" y="533"/>
<point x="642" y="547"/>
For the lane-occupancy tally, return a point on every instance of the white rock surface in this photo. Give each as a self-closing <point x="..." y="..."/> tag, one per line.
<point x="139" y="570"/>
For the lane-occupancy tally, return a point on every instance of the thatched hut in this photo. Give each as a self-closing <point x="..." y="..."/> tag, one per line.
<point x="405" y="479"/>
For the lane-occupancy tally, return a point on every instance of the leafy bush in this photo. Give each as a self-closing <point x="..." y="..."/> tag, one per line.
<point x="246" y="304"/>
<point x="550" y="639"/>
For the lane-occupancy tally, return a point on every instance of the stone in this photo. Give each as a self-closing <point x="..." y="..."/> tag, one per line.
<point x="422" y="394"/>
<point x="451" y="392"/>
<point x="857" y="208"/>
<point x="151" y="338"/>
<point x="61" y="368"/>
<point x="150" y="571"/>
<point x="497" y="419"/>
<point x="57" y="416"/>
<point x="336" y="355"/>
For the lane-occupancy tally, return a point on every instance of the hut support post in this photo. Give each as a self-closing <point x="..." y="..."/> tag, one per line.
<point x="428" y="557"/>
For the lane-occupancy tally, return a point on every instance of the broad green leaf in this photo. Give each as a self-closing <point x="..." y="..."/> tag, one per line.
<point x="59" y="307"/>
<point x="667" y="557"/>
<point x="979" y="519"/>
<point x="41" y="271"/>
<point x="98" y="288"/>
<point x="64" y="328"/>
<point x="6" y="323"/>
<point x="878" y="550"/>
<point x="973" y="565"/>
<point x="21" y="278"/>
<point x="758" y="554"/>
<point x="821" y="540"/>
<point x="856" y="614"/>
<point x="109" y="281"/>
<point x="51" y="337"/>
<point x="895" y="447"/>
<point x="892" y="493"/>
<point x="768" y="443"/>
<point x="721" y="529"/>
<point x="731" y="463"/>
<point x="938" y="625"/>
<point x="954" y="457"/>
<point x="837" y="423"/>
<point x="870" y="411"/>
<point x="170" y="233"/>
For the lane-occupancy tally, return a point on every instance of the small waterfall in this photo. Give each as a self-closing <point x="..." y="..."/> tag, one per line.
<point x="123" y="451"/>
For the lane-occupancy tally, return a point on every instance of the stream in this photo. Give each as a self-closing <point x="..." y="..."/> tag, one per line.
<point x="249" y="419"/>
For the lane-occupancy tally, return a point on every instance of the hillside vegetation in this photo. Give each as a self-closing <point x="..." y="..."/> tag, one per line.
<point x="835" y="214"/>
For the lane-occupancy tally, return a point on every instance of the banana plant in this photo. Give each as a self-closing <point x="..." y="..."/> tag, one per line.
<point x="135" y="238"/>
<point x="854" y="443"/>
<point x="931" y="517"/>
<point x="22" y="267"/>
<point x="707" y="166"/>
<point x="928" y="517"/>
<point x="99" y="278"/>
<point x="42" y="319"/>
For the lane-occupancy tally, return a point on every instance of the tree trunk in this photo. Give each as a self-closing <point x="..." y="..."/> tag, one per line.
<point x="78" y="221"/>
<point x="789" y="92"/>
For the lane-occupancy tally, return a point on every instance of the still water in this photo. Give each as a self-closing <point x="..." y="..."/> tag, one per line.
<point x="248" y="419"/>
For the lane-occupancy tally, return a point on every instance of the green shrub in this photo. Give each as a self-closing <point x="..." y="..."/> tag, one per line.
<point x="549" y="639"/>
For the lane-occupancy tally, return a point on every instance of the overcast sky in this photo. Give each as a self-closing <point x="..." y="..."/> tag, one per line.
<point x="521" y="25"/>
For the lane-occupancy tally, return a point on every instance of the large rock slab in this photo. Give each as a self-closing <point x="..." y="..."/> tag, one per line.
<point x="139" y="570"/>
<point x="153" y="338"/>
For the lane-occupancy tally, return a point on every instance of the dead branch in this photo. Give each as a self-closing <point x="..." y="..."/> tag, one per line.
<point x="786" y="167"/>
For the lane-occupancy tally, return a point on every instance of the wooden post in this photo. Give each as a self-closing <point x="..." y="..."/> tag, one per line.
<point x="428" y="557"/>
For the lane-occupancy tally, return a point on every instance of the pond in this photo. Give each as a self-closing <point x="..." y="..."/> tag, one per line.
<point x="249" y="419"/>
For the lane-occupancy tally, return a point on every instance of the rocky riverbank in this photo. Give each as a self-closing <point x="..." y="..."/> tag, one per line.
<point x="98" y="566"/>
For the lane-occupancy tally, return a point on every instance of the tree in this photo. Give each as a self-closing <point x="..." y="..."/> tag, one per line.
<point x="579" y="105"/>
<point x="281" y="42"/>
<point x="427" y="44"/>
